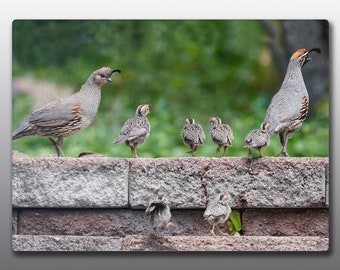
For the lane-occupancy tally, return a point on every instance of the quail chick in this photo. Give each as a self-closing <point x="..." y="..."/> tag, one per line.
<point x="221" y="134"/>
<point x="136" y="130"/>
<point x="67" y="116"/>
<point x="217" y="211"/>
<point x="289" y="106"/>
<point x="159" y="214"/>
<point x="257" y="139"/>
<point x="192" y="135"/>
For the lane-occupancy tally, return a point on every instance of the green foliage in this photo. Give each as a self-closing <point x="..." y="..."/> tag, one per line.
<point x="234" y="224"/>
<point x="184" y="68"/>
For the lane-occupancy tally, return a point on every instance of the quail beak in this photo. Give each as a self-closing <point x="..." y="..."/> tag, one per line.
<point x="109" y="80"/>
<point x="305" y="58"/>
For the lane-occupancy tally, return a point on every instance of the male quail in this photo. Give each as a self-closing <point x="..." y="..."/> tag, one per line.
<point x="67" y="116"/>
<point x="159" y="213"/>
<point x="289" y="106"/>
<point x="136" y="130"/>
<point x="221" y="134"/>
<point x="258" y="139"/>
<point x="192" y="135"/>
<point x="217" y="211"/>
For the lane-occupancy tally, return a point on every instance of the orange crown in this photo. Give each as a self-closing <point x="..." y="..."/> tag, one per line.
<point x="298" y="53"/>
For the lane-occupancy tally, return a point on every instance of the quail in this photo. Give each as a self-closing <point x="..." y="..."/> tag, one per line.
<point x="221" y="134"/>
<point x="159" y="214"/>
<point x="136" y="130"/>
<point x="67" y="116"/>
<point x="217" y="211"/>
<point x="192" y="135"/>
<point x="258" y="139"/>
<point x="289" y="106"/>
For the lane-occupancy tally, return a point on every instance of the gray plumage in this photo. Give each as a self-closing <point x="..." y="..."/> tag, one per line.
<point x="221" y="134"/>
<point x="217" y="211"/>
<point x="136" y="130"/>
<point x="192" y="135"/>
<point x="67" y="116"/>
<point x="289" y="106"/>
<point x="159" y="214"/>
<point x="258" y="139"/>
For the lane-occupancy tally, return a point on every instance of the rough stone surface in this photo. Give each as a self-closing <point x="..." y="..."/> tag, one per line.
<point x="179" y="178"/>
<point x="14" y="221"/>
<point x="26" y="243"/>
<point x="69" y="182"/>
<point x="269" y="182"/>
<point x="106" y="222"/>
<point x="262" y="182"/>
<point x="187" y="182"/>
<point x="217" y="243"/>
<point x="65" y="243"/>
<point x="286" y="222"/>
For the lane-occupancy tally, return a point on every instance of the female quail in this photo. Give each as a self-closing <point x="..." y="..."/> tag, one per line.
<point x="67" y="116"/>
<point x="257" y="139"/>
<point x="192" y="135"/>
<point x="289" y="106"/>
<point x="221" y="134"/>
<point x="159" y="213"/>
<point x="217" y="211"/>
<point x="136" y="130"/>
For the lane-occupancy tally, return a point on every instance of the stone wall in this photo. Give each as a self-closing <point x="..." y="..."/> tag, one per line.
<point x="84" y="203"/>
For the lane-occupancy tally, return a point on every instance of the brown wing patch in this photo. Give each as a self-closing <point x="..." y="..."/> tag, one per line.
<point x="76" y="109"/>
<point x="298" y="53"/>
<point x="304" y="109"/>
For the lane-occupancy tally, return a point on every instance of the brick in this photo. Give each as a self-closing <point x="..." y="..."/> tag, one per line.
<point x="69" y="182"/>
<point x="286" y="222"/>
<point x="105" y="222"/>
<point x="65" y="243"/>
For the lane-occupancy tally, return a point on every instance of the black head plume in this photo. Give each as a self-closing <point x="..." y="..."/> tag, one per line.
<point x="318" y="50"/>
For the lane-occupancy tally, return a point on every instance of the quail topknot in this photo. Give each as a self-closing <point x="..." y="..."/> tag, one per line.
<point x="289" y="106"/>
<point x="159" y="214"/>
<point x="67" y="116"/>
<point x="192" y="135"/>
<point x="136" y="130"/>
<point x="257" y="139"/>
<point x="217" y="211"/>
<point x="221" y="134"/>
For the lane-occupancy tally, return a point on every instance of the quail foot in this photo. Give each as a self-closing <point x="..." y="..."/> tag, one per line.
<point x="217" y="211"/>
<point x="192" y="135"/>
<point x="136" y="130"/>
<point x="221" y="134"/>
<point x="67" y="116"/>
<point x="289" y="106"/>
<point x="159" y="214"/>
<point x="257" y="139"/>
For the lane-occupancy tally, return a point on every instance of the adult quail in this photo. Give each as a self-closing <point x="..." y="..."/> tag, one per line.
<point x="258" y="139"/>
<point x="159" y="213"/>
<point x="136" y="130"/>
<point x="289" y="106"/>
<point x="221" y="134"/>
<point x="67" y="116"/>
<point x="217" y="211"/>
<point x="192" y="135"/>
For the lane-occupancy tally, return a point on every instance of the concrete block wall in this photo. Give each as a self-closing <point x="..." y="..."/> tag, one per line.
<point x="77" y="203"/>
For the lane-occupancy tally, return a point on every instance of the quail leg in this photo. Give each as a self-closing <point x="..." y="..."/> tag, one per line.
<point x="57" y="145"/>
<point x="218" y="150"/>
<point x="283" y="140"/>
<point x="224" y="150"/>
<point x="212" y="231"/>
<point x="192" y="150"/>
<point x="260" y="154"/>
<point x="249" y="153"/>
<point x="134" y="150"/>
